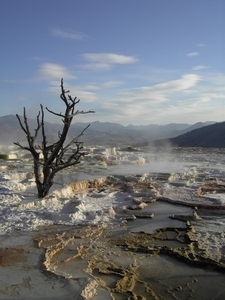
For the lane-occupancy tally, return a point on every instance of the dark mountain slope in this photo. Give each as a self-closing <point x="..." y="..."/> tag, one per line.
<point x="211" y="136"/>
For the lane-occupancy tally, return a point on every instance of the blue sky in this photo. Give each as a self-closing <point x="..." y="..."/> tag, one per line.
<point x="133" y="62"/>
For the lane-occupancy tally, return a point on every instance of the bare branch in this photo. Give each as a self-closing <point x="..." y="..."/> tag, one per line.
<point x="21" y="124"/>
<point x="38" y="127"/>
<point x="74" y="101"/>
<point x="81" y="112"/>
<point x="22" y="147"/>
<point x="44" y="139"/>
<point x="26" y="122"/>
<point x="63" y="93"/>
<point x="54" y="113"/>
<point x="26" y="129"/>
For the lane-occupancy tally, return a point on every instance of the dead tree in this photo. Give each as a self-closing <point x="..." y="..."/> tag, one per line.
<point x="50" y="159"/>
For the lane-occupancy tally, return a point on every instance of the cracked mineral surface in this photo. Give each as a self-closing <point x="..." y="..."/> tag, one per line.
<point x="150" y="231"/>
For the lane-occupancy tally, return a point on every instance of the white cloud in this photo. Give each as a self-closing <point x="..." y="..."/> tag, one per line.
<point x="192" y="54"/>
<point x="188" y="114"/>
<point x="67" y="34"/>
<point x="185" y="82"/>
<point x="50" y="71"/>
<point x="37" y="58"/>
<point x="105" y="61"/>
<point x="188" y="99"/>
<point x="112" y="84"/>
<point x="201" y="45"/>
<point x="91" y="87"/>
<point x="85" y="96"/>
<point x="197" y="68"/>
<point x="137" y="114"/>
<point x="22" y="98"/>
<point x="159" y="92"/>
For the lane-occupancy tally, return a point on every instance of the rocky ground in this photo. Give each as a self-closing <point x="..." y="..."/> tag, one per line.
<point x="165" y="239"/>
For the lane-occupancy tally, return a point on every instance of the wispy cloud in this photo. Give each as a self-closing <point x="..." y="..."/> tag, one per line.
<point x="159" y="92"/>
<point x="202" y="99"/>
<point x="197" y="68"/>
<point x="37" y="58"/>
<point x="192" y="54"/>
<point x="49" y="71"/>
<point x="105" y="61"/>
<point x="111" y="84"/>
<point x="147" y="104"/>
<point x="22" y="98"/>
<point x="68" y="34"/>
<point x="201" y="45"/>
<point x="91" y="87"/>
<point x="189" y="97"/>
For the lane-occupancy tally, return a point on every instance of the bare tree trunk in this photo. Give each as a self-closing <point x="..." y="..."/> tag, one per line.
<point x="44" y="187"/>
<point x="43" y="178"/>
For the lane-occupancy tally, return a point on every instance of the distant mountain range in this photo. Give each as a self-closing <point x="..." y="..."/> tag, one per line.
<point x="114" y="134"/>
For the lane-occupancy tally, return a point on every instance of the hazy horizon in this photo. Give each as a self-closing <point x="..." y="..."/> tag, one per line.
<point x="132" y="124"/>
